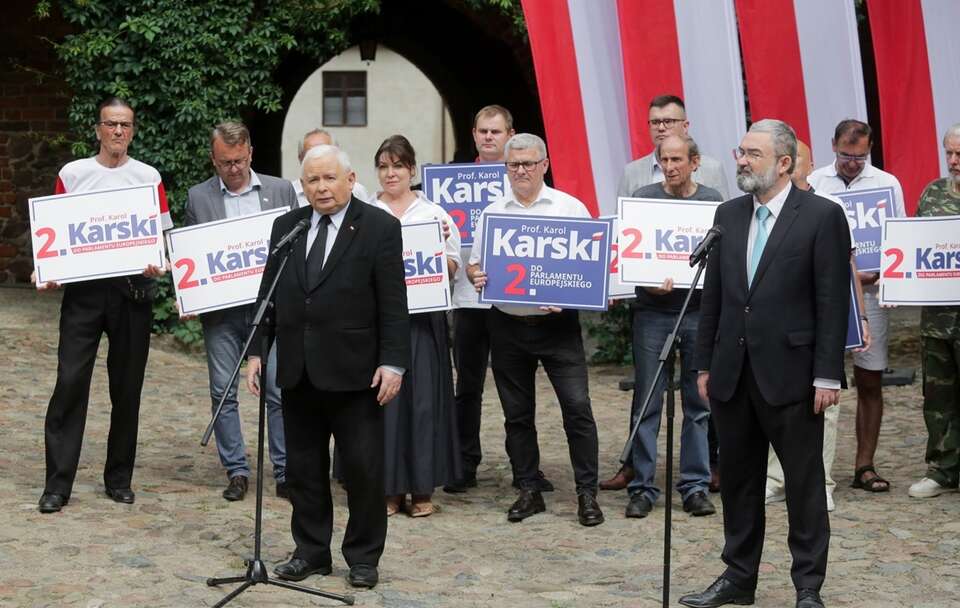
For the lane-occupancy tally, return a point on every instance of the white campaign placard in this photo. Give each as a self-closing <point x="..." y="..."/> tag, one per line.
<point x="657" y="236"/>
<point x="425" y="267"/>
<point x="219" y="264"/>
<point x="94" y="235"/>
<point x="920" y="261"/>
<point x="616" y="290"/>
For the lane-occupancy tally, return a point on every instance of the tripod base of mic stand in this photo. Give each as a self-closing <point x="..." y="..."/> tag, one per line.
<point x="257" y="575"/>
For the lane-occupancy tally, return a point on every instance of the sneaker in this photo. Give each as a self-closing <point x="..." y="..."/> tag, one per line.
<point x="928" y="488"/>
<point x="773" y="496"/>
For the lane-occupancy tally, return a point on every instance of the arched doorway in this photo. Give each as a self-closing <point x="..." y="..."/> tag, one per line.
<point x="473" y="58"/>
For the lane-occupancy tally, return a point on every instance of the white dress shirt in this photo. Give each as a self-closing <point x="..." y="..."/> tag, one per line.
<point x="549" y="202"/>
<point x="245" y="202"/>
<point x="423" y="210"/>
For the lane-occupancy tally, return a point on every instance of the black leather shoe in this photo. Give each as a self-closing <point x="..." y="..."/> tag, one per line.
<point x="541" y="484"/>
<point x="237" y="488"/>
<point x="588" y="510"/>
<point x="282" y="490"/>
<point x="698" y="505"/>
<point x="51" y="503"/>
<point x="298" y="569"/>
<point x="530" y="502"/>
<point x="124" y="495"/>
<point x="720" y="593"/>
<point x="809" y="598"/>
<point x="639" y="507"/>
<point x="469" y="480"/>
<point x="364" y="576"/>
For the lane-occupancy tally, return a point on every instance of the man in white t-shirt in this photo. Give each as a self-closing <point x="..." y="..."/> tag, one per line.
<point x="852" y="171"/>
<point x="121" y="307"/>
<point x="321" y="137"/>
<point x="521" y="337"/>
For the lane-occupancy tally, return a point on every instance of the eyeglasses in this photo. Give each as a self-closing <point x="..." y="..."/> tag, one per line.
<point x="528" y="165"/>
<point x="232" y="164"/>
<point x="112" y="124"/>
<point x="739" y="153"/>
<point x="852" y="158"/>
<point x="664" y="122"/>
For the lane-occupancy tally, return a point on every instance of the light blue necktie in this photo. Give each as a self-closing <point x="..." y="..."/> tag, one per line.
<point x="761" y="241"/>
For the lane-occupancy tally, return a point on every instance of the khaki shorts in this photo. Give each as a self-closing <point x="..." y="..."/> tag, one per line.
<point x="875" y="358"/>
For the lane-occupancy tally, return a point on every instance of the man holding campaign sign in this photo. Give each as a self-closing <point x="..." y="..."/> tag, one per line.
<point x="869" y="195"/>
<point x="935" y="263"/>
<point x="234" y="192"/>
<point x="653" y="318"/>
<point x="421" y="447"/>
<point x="521" y="336"/>
<point x="120" y="306"/>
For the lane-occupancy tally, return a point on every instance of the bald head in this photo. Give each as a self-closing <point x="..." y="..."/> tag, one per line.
<point x="804" y="166"/>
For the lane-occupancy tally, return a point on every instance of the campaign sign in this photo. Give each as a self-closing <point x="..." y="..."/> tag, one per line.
<point x="617" y="290"/>
<point x="463" y="190"/>
<point x="219" y="264"/>
<point x="854" y="327"/>
<point x="546" y="261"/>
<point x="425" y="267"/>
<point x="866" y="210"/>
<point x="657" y="236"/>
<point x="921" y="261"/>
<point x="94" y="235"/>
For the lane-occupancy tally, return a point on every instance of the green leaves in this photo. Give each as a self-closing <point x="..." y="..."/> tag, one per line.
<point x="185" y="66"/>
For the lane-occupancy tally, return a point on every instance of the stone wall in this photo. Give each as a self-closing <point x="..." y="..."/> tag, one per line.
<point x="33" y="129"/>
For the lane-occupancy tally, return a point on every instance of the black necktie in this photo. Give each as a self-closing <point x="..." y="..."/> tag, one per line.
<point x="317" y="250"/>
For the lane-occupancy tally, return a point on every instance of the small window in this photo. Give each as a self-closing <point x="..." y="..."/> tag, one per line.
<point x="344" y="99"/>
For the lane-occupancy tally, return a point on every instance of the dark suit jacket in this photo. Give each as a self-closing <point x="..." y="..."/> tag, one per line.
<point x="792" y="321"/>
<point x="356" y="318"/>
<point x="205" y="204"/>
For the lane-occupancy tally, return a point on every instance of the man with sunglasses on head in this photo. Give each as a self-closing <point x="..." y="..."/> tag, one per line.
<point x="521" y="337"/>
<point x="237" y="190"/>
<point x="667" y="116"/>
<point x="851" y="171"/>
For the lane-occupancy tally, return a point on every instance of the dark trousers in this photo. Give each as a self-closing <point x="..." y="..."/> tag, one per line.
<point x="747" y="426"/>
<point x="355" y="420"/>
<point x="517" y="344"/>
<point x="87" y="311"/>
<point x="471" y="352"/>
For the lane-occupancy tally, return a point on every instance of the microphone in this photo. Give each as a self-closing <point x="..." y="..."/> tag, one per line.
<point x="293" y="235"/>
<point x="713" y="235"/>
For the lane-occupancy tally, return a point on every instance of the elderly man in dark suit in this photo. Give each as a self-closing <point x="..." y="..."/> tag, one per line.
<point x="234" y="191"/>
<point x="773" y="320"/>
<point x="343" y="344"/>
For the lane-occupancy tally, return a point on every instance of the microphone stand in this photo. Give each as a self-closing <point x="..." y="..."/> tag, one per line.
<point x="256" y="573"/>
<point x="667" y="360"/>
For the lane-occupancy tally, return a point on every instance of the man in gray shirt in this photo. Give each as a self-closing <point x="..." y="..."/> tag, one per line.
<point x="654" y="315"/>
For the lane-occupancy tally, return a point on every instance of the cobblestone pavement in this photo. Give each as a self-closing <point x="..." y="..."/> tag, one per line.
<point x="886" y="550"/>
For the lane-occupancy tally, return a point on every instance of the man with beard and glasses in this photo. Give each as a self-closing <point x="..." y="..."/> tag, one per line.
<point x="773" y="321"/>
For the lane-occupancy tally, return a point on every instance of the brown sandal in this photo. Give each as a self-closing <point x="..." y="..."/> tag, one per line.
<point x="395" y="504"/>
<point x="422" y="507"/>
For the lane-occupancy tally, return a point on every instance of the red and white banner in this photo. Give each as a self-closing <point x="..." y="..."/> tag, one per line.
<point x="916" y="48"/>
<point x="600" y="62"/>
<point x="802" y="64"/>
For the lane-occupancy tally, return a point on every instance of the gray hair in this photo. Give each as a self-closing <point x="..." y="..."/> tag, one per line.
<point x="525" y="141"/>
<point x="953" y="131"/>
<point x="692" y="148"/>
<point x="317" y="131"/>
<point x="325" y="150"/>
<point x="231" y="133"/>
<point x="784" y="138"/>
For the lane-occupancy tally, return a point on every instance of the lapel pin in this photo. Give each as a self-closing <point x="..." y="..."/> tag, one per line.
<point x="351" y="226"/>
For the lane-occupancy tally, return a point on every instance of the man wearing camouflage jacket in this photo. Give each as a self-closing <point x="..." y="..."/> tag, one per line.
<point x="940" y="332"/>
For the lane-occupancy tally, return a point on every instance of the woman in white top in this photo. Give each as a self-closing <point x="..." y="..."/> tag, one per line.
<point x="421" y="441"/>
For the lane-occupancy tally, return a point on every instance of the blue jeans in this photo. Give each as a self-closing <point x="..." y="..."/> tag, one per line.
<point x="224" y="341"/>
<point x="650" y="330"/>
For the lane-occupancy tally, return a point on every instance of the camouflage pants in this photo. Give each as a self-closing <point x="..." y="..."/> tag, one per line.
<point x="941" y="408"/>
